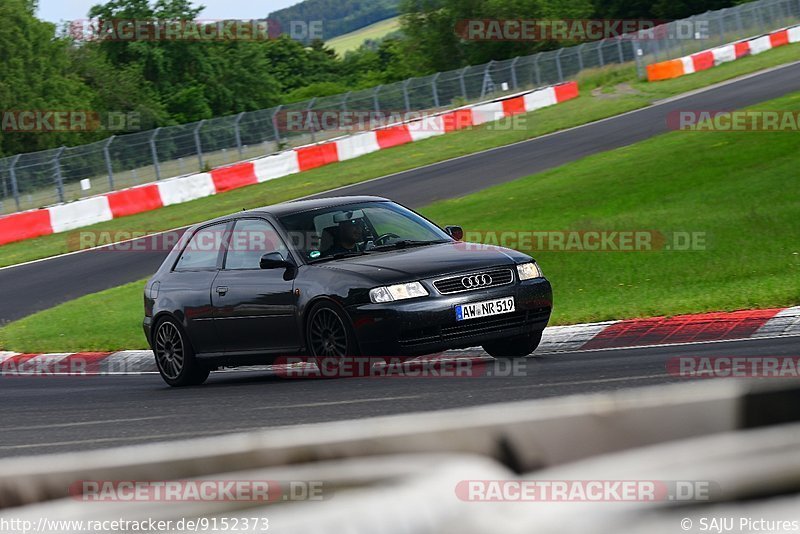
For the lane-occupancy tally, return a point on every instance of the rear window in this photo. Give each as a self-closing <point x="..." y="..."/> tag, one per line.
<point x="202" y="252"/>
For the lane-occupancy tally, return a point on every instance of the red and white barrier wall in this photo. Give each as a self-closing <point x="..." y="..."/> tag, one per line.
<point x="706" y="59"/>
<point x="93" y="210"/>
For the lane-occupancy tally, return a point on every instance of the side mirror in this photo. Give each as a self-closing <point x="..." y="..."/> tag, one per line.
<point x="275" y="260"/>
<point x="456" y="232"/>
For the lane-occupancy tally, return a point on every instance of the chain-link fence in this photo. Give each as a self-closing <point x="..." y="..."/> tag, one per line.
<point x="68" y="173"/>
<point x="716" y="28"/>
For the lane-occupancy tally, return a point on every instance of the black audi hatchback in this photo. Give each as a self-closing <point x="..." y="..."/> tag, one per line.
<point x="336" y="278"/>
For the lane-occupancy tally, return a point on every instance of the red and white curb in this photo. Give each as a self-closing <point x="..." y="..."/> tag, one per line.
<point x="677" y="330"/>
<point x="152" y="196"/>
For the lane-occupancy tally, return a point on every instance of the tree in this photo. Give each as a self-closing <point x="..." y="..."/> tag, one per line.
<point x="657" y="9"/>
<point x="195" y="79"/>
<point x="430" y="28"/>
<point x="36" y="75"/>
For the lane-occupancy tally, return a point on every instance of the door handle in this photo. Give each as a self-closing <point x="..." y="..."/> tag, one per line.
<point x="222" y="290"/>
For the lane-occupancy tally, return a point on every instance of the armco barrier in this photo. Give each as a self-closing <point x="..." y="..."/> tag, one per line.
<point x="741" y="476"/>
<point x="523" y="436"/>
<point x="750" y="474"/>
<point x="707" y="59"/>
<point x="93" y="210"/>
<point x="397" y="484"/>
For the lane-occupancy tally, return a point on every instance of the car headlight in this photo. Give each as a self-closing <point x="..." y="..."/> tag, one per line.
<point x="397" y="292"/>
<point x="529" y="271"/>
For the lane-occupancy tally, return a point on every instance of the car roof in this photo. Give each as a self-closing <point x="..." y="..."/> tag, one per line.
<point x="299" y="206"/>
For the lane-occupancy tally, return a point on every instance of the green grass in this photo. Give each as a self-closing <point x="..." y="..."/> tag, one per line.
<point x="351" y="41"/>
<point x="109" y="320"/>
<point x="582" y="110"/>
<point x="737" y="188"/>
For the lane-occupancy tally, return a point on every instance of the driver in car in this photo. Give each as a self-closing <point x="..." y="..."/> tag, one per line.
<point x="350" y="233"/>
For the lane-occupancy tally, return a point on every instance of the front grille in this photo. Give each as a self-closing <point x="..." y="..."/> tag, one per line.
<point x="472" y="327"/>
<point x="455" y="284"/>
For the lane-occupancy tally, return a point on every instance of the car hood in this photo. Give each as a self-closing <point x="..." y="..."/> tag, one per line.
<point x="427" y="261"/>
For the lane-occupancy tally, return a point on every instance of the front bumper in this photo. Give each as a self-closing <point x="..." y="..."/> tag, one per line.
<point x="428" y="324"/>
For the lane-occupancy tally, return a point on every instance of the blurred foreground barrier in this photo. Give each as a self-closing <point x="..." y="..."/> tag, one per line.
<point x="522" y="436"/>
<point x="750" y="474"/>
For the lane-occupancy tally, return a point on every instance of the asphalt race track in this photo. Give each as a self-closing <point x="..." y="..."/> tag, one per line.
<point x="60" y="414"/>
<point x="30" y="288"/>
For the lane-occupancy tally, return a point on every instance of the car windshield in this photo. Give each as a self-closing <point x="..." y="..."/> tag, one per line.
<point x="356" y="229"/>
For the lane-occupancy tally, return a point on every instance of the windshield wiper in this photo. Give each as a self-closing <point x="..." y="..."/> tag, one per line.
<point x="406" y="243"/>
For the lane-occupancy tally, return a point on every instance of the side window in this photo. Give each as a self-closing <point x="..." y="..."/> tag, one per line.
<point x="203" y="249"/>
<point x="251" y="239"/>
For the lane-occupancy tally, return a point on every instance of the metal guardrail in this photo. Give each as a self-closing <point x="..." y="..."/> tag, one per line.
<point x="400" y="473"/>
<point x="523" y="436"/>
<point x="53" y="176"/>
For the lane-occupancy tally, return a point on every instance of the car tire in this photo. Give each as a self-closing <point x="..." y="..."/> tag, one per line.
<point x="515" y="347"/>
<point x="329" y="335"/>
<point x="175" y="357"/>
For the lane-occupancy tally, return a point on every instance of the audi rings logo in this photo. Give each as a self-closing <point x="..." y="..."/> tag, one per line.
<point x="476" y="281"/>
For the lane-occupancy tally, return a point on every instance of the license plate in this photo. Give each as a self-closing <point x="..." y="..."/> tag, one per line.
<point x="484" y="308"/>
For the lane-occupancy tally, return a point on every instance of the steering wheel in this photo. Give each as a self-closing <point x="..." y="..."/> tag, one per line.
<point x="379" y="240"/>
